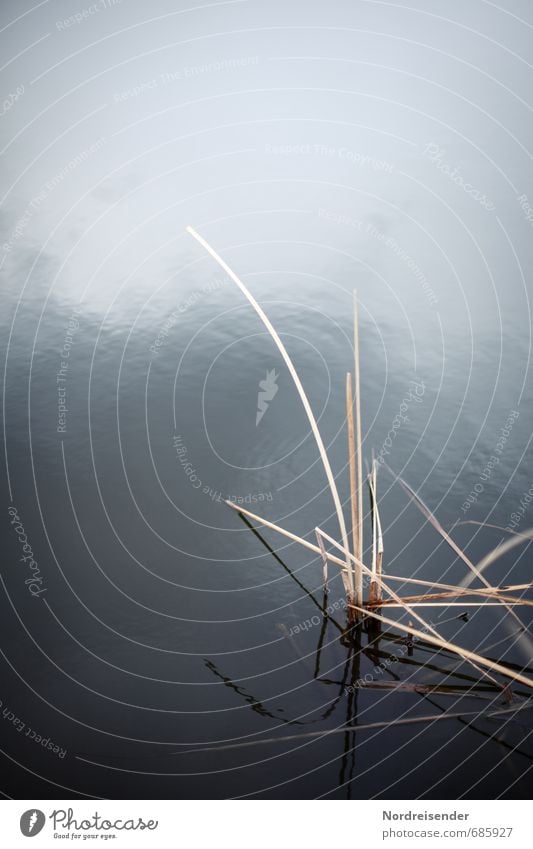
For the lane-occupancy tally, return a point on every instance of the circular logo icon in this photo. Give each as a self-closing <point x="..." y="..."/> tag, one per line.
<point x="32" y="822"/>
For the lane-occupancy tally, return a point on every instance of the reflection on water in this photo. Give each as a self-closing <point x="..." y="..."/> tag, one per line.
<point x="173" y="632"/>
<point x="320" y="148"/>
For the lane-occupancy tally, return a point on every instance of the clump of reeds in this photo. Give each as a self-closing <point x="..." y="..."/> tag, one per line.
<point x="381" y="595"/>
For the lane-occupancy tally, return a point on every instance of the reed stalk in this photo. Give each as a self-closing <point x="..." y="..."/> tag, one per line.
<point x="352" y="465"/>
<point x="377" y="537"/>
<point x="325" y="564"/>
<point x="459" y="588"/>
<point x="491" y="557"/>
<point x="407" y="607"/>
<point x="294" y="374"/>
<point x="424" y="509"/>
<point x="342" y="563"/>
<point x="479" y="604"/>
<point x="473" y="657"/>
<point x="451" y="594"/>
<point x="427" y="719"/>
<point x="359" y="449"/>
<point x="352" y="566"/>
<point x="500" y="550"/>
<point x="372" y="595"/>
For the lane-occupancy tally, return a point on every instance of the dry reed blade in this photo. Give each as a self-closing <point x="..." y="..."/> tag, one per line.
<point x="372" y="488"/>
<point x="432" y="519"/>
<point x="407" y="607"/>
<point x="501" y="549"/>
<point x="288" y="534"/>
<point x="489" y="525"/>
<point x="379" y="559"/>
<point x="459" y="594"/>
<point x="492" y="556"/>
<point x="373" y="592"/>
<point x="461" y="604"/>
<point x="324" y="562"/>
<point x="377" y="537"/>
<point x="459" y="588"/>
<point x="358" y="439"/>
<point x="413" y="720"/>
<point x="426" y="689"/>
<point x="342" y="563"/>
<point x="294" y="374"/>
<point x="473" y="657"/>
<point x="331" y="557"/>
<point x="352" y="465"/>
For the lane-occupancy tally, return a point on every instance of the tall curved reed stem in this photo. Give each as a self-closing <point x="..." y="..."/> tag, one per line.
<point x="288" y="362"/>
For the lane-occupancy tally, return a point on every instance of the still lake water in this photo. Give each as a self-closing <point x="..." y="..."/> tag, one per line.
<point x="167" y="625"/>
<point x="166" y="633"/>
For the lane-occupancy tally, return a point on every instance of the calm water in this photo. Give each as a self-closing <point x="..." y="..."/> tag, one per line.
<point x="163" y="624"/>
<point x="168" y="625"/>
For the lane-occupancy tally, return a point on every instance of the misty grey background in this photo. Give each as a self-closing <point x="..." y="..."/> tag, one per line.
<point x="297" y="138"/>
